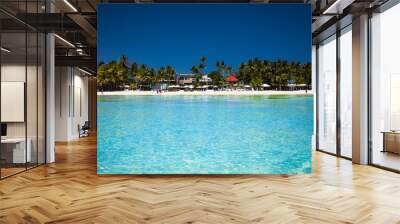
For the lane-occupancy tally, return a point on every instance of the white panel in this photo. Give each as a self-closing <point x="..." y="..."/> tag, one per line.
<point x="12" y="101"/>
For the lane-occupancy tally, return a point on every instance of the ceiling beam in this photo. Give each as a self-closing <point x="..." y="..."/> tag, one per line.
<point x="78" y="61"/>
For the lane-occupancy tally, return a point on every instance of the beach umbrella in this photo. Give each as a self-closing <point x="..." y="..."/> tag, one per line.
<point x="231" y="78"/>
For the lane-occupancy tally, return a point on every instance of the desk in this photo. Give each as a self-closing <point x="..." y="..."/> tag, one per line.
<point x="18" y="150"/>
<point x="391" y="141"/>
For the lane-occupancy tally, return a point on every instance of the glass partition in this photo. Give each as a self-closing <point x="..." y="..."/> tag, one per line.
<point x="385" y="89"/>
<point x="327" y="95"/>
<point x="14" y="153"/>
<point x="22" y="77"/>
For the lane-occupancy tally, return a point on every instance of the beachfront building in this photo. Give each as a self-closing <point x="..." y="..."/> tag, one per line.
<point x="266" y="86"/>
<point x="205" y="80"/>
<point x="185" y="79"/>
<point x="295" y="87"/>
<point x="160" y="86"/>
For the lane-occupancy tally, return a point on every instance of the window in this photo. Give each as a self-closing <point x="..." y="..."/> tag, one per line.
<point x="385" y="89"/>
<point x="346" y="92"/>
<point x="327" y="95"/>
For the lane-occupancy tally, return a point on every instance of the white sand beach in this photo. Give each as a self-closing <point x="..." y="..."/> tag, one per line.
<point x="204" y="93"/>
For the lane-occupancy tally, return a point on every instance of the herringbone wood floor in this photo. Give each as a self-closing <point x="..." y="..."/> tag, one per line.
<point x="70" y="191"/>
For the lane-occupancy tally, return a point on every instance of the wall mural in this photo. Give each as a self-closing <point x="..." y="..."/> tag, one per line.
<point x="204" y="89"/>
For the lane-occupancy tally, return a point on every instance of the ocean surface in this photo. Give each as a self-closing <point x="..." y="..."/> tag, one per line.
<point x="204" y="134"/>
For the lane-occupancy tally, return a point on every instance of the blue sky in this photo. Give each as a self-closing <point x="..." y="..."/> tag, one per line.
<point x="178" y="34"/>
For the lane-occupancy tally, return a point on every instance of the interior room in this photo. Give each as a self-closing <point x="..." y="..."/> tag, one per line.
<point x="49" y="152"/>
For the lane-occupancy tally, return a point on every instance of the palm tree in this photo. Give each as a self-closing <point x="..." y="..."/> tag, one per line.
<point x="202" y="64"/>
<point x="102" y="76"/>
<point x="268" y="71"/>
<point x="220" y="65"/>
<point x="133" y="72"/>
<point x="198" y="70"/>
<point x="123" y="60"/>
<point x="223" y="68"/>
<point x="244" y="72"/>
<point x="203" y="59"/>
<point x="228" y="69"/>
<point x="170" y="73"/>
<point x="280" y="80"/>
<point x="161" y="74"/>
<point x="256" y="83"/>
<point x="113" y="75"/>
<point x="217" y="79"/>
<point x="141" y="76"/>
<point x="194" y="69"/>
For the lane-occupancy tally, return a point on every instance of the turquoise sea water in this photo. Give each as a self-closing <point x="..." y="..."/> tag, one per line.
<point x="204" y="134"/>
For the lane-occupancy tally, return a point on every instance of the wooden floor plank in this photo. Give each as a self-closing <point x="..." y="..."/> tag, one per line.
<point x="70" y="191"/>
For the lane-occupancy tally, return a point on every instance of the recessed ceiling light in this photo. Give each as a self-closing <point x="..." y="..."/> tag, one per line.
<point x="64" y="40"/>
<point x="337" y="7"/>
<point x="86" y="72"/>
<point x="70" y="5"/>
<point x="5" y="50"/>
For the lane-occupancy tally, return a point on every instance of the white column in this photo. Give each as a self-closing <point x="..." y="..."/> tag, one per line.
<point x="50" y="100"/>
<point x="360" y="90"/>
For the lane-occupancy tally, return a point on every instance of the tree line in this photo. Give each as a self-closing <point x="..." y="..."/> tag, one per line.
<point x="117" y="74"/>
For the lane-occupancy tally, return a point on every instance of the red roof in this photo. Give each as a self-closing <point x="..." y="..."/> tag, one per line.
<point x="231" y="78"/>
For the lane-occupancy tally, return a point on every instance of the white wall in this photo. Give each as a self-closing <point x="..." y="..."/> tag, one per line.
<point x="62" y="83"/>
<point x="16" y="73"/>
<point x="33" y="126"/>
<point x="80" y="104"/>
<point x="71" y="102"/>
<point x="13" y="72"/>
